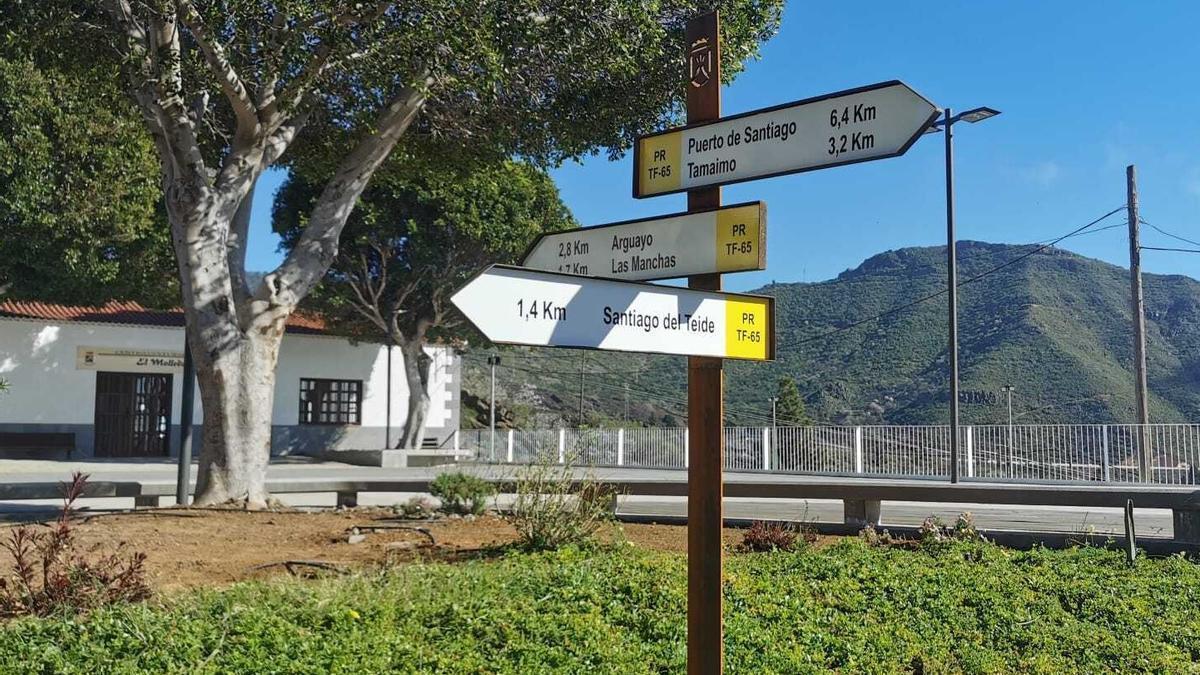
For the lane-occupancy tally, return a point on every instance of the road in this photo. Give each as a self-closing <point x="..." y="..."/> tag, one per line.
<point x="1100" y="521"/>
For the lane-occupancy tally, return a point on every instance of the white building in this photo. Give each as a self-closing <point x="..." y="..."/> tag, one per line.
<point x="107" y="383"/>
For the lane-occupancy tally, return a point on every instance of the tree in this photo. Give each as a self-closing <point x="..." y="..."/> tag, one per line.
<point x="225" y="88"/>
<point x="416" y="236"/>
<point x="789" y="409"/>
<point x="80" y="198"/>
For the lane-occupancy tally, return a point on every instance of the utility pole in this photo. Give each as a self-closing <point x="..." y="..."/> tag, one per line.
<point x="952" y="287"/>
<point x="1008" y="389"/>
<point x="493" y="361"/>
<point x="1138" y="307"/>
<point x="774" y="425"/>
<point x="626" y="402"/>
<point x="706" y="392"/>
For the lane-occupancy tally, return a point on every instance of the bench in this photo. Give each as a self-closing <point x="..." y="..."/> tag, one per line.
<point x="36" y="445"/>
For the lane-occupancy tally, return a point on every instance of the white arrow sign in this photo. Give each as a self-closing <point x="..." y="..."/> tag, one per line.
<point x="728" y="239"/>
<point x="857" y="125"/>
<point x="514" y="305"/>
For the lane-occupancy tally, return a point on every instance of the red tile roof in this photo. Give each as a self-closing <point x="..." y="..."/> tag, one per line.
<point x="130" y="313"/>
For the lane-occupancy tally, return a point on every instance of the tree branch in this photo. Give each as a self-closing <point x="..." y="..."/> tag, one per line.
<point x="235" y="252"/>
<point x="313" y="253"/>
<point x="231" y="84"/>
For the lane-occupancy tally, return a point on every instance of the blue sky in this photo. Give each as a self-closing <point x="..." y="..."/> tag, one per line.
<point x="1085" y="89"/>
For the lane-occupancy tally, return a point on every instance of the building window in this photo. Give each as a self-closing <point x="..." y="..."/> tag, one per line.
<point x="330" y="401"/>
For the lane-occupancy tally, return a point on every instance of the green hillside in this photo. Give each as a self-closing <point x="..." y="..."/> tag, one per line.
<point x="1055" y="325"/>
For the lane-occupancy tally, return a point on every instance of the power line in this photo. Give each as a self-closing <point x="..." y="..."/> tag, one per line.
<point x="1176" y="250"/>
<point x="1173" y="236"/>
<point x="964" y="282"/>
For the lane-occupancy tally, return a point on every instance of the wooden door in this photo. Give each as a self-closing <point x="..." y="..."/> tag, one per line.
<point x="133" y="414"/>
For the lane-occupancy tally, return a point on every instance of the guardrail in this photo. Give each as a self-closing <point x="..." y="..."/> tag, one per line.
<point x="1023" y="452"/>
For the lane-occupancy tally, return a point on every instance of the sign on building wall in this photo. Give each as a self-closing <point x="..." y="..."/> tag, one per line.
<point x="127" y="360"/>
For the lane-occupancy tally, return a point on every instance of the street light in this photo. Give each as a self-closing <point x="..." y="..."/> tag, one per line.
<point x="946" y="124"/>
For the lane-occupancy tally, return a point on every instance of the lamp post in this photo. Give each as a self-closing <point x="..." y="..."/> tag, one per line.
<point x="946" y="124"/>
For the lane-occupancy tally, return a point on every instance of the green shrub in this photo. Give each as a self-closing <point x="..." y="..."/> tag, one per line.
<point x="462" y="493"/>
<point x="556" y="508"/>
<point x="849" y="608"/>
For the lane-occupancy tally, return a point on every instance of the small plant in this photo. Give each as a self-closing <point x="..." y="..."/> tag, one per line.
<point x="51" y="575"/>
<point x="934" y="532"/>
<point x="874" y="537"/>
<point x="461" y="493"/>
<point x="765" y="536"/>
<point x="964" y="528"/>
<point x="554" y="508"/>
<point x="417" y="507"/>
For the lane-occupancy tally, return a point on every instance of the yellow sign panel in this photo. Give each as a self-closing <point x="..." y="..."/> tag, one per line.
<point x="741" y="238"/>
<point x="748" y="330"/>
<point x="658" y="167"/>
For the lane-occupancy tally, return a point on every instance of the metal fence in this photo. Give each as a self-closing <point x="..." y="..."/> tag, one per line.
<point x="1121" y="453"/>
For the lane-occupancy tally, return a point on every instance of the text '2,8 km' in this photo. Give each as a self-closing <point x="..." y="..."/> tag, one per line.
<point x="728" y="239"/>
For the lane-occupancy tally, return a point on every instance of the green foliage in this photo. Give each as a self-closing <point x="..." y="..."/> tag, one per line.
<point x="503" y="78"/>
<point x="790" y="407"/>
<point x="968" y="607"/>
<point x="80" y="196"/>
<point x="419" y="232"/>
<point x="462" y="493"/>
<point x="555" y="507"/>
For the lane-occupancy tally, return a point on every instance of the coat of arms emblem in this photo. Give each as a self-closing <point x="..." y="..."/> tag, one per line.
<point x="700" y="62"/>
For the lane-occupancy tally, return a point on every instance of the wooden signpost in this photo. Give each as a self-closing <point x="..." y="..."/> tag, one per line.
<point x="706" y="390"/>
<point x="555" y="299"/>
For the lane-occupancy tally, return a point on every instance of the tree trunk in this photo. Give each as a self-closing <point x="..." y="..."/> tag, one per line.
<point x="416" y="373"/>
<point x="238" y="391"/>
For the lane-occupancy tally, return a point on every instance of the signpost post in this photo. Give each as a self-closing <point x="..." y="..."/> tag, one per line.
<point x="706" y="374"/>
<point x="728" y="239"/>
<point x="857" y="125"/>
<point x="515" y="305"/>
<point x="551" y="300"/>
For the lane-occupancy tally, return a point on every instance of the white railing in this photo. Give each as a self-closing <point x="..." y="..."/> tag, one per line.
<point x="1024" y="452"/>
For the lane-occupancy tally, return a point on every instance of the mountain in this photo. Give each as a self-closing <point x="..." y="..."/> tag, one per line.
<point x="1053" y="324"/>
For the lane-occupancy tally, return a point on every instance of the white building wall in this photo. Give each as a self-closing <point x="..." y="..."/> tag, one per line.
<point x="49" y="393"/>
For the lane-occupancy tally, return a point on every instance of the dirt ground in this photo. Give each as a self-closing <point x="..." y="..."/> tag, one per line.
<point x="192" y="547"/>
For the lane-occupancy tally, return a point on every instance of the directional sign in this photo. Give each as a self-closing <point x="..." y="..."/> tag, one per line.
<point x="857" y="125"/>
<point x="515" y="305"/>
<point x="729" y="239"/>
